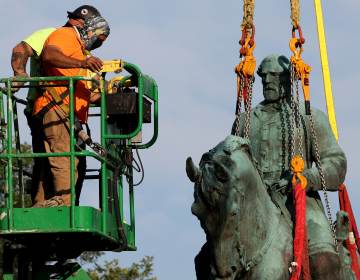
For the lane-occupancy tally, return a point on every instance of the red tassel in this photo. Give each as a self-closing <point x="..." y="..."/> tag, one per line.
<point x="245" y="90"/>
<point x="301" y="256"/>
<point x="353" y="247"/>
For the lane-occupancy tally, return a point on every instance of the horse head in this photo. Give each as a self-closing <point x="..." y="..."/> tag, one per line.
<point x="219" y="193"/>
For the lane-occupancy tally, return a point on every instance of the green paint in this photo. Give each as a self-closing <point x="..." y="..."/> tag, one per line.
<point x="74" y="228"/>
<point x="243" y="192"/>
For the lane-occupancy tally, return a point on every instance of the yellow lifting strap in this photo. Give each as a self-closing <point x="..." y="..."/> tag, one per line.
<point x="325" y="68"/>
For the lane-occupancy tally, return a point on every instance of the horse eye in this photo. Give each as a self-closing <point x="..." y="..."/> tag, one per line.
<point x="220" y="173"/>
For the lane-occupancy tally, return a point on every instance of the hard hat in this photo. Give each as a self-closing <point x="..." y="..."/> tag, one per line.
<point x="84" y="12"/>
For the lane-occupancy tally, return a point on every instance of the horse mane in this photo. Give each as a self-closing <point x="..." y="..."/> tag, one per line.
<point x="234" y="143"/>
<point x="222" y="155"/>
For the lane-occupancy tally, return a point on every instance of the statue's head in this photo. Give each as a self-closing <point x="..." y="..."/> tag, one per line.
<point x="219" y="196"/>
<point x="275" y="76"/>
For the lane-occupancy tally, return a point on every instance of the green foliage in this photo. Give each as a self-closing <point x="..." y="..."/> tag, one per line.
<point x="26" y="165"/>
<point x="1" y="257"/>
<point x="111" y="270"/>
<point x="90" y="257"/>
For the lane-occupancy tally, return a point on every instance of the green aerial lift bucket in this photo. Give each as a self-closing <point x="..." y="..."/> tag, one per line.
<point x="64" y="233"/>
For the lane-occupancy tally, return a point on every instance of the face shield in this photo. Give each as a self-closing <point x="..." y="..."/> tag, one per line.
<point x="95" y="31"/>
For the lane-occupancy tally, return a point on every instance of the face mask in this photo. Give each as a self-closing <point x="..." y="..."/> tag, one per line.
<point x="96" y="44"/>
<point x="93" y="28"/>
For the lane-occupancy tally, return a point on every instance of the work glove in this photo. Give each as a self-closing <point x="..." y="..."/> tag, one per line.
<point x="16" y="85"/>
<point x="92" y="63"/>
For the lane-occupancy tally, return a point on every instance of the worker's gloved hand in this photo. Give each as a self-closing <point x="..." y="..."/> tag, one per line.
<point x="16" y="85"/>
<point x="93" y="63"/>
<point x="94" y="84"/>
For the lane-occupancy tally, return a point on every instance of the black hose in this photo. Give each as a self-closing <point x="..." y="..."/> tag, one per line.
<point x="119" y="223"/>
<point x="142" y="169"/>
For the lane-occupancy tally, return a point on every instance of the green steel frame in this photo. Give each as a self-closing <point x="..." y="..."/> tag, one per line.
<point x="70" y="224"/>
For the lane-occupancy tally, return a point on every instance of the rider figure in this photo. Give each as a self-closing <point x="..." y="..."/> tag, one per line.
<point x="270" y="140"/>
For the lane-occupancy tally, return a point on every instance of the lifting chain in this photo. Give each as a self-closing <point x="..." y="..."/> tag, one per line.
<point x="322" y="178"/>
<point x="245" y="80"/>
<point x="299" y="70"/>
<point x="295" y="123"/>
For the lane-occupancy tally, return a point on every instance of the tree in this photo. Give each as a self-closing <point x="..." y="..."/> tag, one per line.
<point x="26" y="165"/>
<point x="111" y="270"/>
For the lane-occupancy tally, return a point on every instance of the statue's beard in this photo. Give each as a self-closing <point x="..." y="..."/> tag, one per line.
<point x="274" y="94"/>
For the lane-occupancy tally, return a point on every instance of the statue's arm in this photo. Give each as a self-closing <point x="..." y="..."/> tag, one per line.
<point x="333" y="160"/>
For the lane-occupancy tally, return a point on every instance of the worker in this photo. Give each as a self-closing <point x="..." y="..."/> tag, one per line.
<point x="32" y="47"/>
<point x="66" y="46"/>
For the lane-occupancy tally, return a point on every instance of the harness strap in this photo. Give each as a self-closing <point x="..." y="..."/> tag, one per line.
<point x="277" y="199"/>
<point x="62" y="192"/>
<point x="257" y="258"/>
<point x="58" y="100"/>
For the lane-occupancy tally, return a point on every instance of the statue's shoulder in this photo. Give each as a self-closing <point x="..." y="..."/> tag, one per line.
<point x="315" y="112"/>
<point x="257" y="109"/>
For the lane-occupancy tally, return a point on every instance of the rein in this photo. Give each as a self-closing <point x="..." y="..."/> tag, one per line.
<point x="248" y="265"/>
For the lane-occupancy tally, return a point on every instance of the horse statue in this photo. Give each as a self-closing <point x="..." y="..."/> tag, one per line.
<point x="247" y="235"/>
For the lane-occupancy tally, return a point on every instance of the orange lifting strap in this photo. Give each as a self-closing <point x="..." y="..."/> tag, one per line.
<point x="246" y="68"/>
<point x="300" y="268"/>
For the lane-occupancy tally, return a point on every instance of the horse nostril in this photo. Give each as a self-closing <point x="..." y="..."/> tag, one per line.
<point x="233" y="268"/>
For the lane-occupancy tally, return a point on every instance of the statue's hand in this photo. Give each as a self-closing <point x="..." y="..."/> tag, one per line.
<point x="308" y="175"/>
<point x="283" y="183"/>
<point x="17" y="85"/>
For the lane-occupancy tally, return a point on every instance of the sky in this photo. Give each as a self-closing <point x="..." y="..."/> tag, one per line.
<point x="190" y="48"/>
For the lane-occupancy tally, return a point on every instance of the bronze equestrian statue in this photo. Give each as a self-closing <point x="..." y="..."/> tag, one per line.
<point x="242" y="196"/>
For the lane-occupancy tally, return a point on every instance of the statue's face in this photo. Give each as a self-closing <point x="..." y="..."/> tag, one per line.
<point x="275" y="81"/>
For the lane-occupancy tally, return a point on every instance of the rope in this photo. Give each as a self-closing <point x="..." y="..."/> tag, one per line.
<point x="248" y="18"/>
<point x="295" y="12"/>
<point x="353" y="241"/>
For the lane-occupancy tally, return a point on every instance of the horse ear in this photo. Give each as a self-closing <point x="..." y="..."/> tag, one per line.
<point x="221" y="172"/>
<point x="192" y="171"/>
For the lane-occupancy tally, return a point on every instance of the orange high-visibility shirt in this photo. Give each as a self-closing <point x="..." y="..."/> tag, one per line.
<point x="66" y="39"/>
